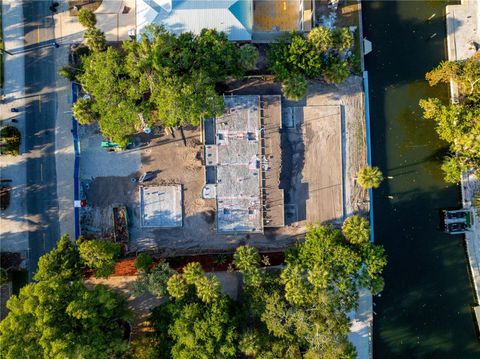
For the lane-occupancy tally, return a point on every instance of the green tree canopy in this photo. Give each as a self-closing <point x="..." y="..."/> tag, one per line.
<point x="198" y="321"/>
<point x="87" y="18"/>
<point x="83" y="111"/>
<point x="356" y="230"/>
<point x="192" y="272"/>
<point x="247" y="260"/>
<point x="302" y="311"/>
<point x="459" y="126"/>
<point x="369" y="177"/>
<point x="208" y="289"/>
<point x="163" y="78"/>
<point x="295" y="87"/>
<point x="100" y="255"/>
<point x="458" y="123"/>
<point x="61" y="263"/>
<point x="154" y="281"/>
<point x="295" y="58"/>
<point x="59" y="319"/>
<point x="465" y="73"/>
<point x="177" y="286"/>
<point x="95" y="40"/>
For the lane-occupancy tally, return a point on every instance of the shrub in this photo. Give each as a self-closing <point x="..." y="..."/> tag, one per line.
<point x="295" y="87"/>
<point x="177" y="286"/>
<point x="87" y="18"/>
<point x="143" y="262"/>
<point x="67" y="72"/>
<point x="100" y="255"/>
<point x="9" y="141"/>
<point x="192" y="272"/>
<point x="155" y="282"/>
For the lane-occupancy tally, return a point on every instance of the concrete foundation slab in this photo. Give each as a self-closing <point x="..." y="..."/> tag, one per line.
<point x="161" y="206"/>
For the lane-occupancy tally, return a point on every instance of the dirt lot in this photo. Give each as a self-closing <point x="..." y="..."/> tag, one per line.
<point x="319" y="164"/>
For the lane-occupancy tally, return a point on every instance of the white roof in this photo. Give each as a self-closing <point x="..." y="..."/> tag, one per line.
<point x="234" y="17"/>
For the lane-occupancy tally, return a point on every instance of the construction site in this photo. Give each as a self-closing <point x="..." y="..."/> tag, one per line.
<point x="258" y="174"/>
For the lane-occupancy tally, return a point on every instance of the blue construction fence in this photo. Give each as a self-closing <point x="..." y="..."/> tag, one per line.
<point x="369" y="148"/>
<point x="76" y="168"/>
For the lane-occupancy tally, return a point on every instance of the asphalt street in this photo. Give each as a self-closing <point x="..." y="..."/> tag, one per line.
<point x="41" y="200"/>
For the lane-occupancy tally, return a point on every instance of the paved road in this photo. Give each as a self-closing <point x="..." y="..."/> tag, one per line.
<point x="41" y="201"/>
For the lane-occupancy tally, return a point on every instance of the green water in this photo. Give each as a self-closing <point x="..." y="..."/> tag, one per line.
<point x="425" y="309"/>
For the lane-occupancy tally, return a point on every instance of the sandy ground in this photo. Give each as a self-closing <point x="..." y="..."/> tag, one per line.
<point x="319" y="163"/>
<point x="114" y="17"/>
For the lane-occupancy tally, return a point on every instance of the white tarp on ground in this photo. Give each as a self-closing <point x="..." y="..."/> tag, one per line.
<point x="234" y="17"/>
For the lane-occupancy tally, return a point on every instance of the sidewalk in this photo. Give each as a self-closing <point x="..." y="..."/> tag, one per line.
<point x="14" y="224"/>
<point x="64" y="151"/>
<point x="463" y="23"/>
<point x="114" y="17"/>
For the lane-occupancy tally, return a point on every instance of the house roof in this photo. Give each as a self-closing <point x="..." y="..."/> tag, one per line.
<point x="234" y="17"/>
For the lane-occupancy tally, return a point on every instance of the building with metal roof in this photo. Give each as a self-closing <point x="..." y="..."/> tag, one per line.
<point x="234" y="17"/>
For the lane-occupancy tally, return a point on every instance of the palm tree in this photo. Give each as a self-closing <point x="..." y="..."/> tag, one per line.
<point x="369" y="177"/>
<point x="356" y="230"/>
<point x="208" y="289"/>
<point x="177" y="286"/>
<point x="95" y="40"/>
<point x="295" y="87"/>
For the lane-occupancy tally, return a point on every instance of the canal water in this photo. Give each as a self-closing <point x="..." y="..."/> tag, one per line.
<point x="425" y="309"/>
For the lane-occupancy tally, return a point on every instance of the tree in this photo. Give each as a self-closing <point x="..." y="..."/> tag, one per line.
<point x="208" y="289"/>
<point x="203" y="331"/>
<point x="248" y="56"/>
<point x="247" y="260"/>
<point x="177" y="286"/>
<point x="95" y="40"/>
<point x="114" y="95"/>
<point x="83" y="111"/>
<point x="336" y="70"/>
<point x="192" y="272"/>
<point x="369" y="177"/>
<point x="61" y="263"/>
<point x="342" y="39"/>
<point x="67" y="72"/>
<point x="143" y="262"/>
<point x="295" y="87"/>
<point x="100" y="255"/>
<point x="322" y="38"/>
<point x="162" y="78"/>
<point x="295" y="58"/>
<point x="181" y="101"/>
<point x="60" y="319"/>
<point x="154" y="281"/>
<point x="452" y="168"/>
<point x="459" y="125"/>
<point x="465" y="73"/>
<point x="356" y="230"/>
<point x="87" y="18"/>
<point x="195" y="326"/>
